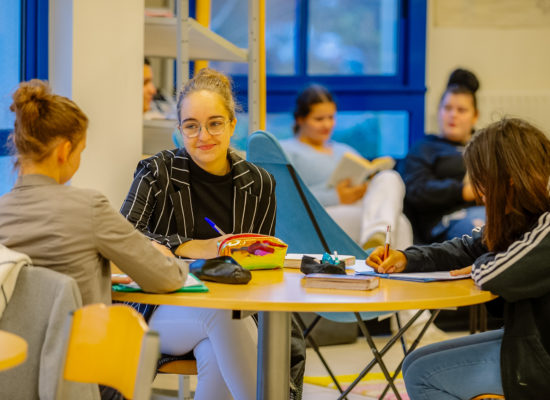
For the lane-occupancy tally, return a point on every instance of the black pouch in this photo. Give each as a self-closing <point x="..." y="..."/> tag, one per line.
<point x="311" y="265"/>
<point x="223" y="269"/>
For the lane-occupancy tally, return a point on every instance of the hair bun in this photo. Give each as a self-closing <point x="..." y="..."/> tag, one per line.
<point x="463" y="77"/>
<point x="30" y="98"/>
<point x="214" y="77"/>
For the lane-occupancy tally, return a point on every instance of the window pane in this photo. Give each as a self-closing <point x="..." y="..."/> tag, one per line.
<point x="279" y="124"/>
<point x="373" y="134"/>
<point x="350" y="37"/>
<point x="10" y="43"/>
<point x="231" y="22"/>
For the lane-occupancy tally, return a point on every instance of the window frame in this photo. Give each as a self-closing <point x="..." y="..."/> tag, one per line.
<point x="33" y="62"/>
<point x="404" y="91"/>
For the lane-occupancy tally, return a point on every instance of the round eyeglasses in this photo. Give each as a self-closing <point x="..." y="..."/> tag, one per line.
<point x="214" y="126"/>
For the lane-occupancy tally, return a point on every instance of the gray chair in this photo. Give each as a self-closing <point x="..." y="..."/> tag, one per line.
<point x="37" y="311"/>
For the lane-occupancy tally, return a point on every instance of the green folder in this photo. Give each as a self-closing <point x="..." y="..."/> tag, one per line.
<point x="192" y="285"/>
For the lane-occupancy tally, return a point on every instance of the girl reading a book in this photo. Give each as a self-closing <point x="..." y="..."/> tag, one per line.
<point x="71" y="230"/>
<point x="509" y="167"/>
<point x="363" y="210"/>
<point x="172" y="197"/>
<point x="439" y="200"/>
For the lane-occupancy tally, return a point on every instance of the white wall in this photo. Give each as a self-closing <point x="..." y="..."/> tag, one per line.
<point x="511" y="60"/>
<point x="96" y="58"/>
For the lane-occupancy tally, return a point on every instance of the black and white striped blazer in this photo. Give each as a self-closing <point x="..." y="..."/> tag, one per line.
<point x="159" y="201"/>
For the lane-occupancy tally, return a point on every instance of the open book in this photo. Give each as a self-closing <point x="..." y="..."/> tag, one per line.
<point x="358" y="169"/>
<point x="334" y="281"/>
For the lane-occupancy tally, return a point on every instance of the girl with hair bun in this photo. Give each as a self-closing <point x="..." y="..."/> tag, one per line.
<point x="171" y="195"/>
<point x="67" y="229"/>
<point x="439" y="199"/>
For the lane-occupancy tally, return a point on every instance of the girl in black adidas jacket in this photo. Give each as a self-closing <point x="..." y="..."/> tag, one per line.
<point x="509" y="166"/>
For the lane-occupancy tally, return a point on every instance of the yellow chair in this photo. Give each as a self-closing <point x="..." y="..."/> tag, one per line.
<point x="488" y="397"/>
<point x="183" y="368"/>
<point x="112" y="346"/>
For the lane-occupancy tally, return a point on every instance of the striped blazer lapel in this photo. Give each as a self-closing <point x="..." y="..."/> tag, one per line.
<point x="180" y="193"/>
<point x="245" y="204"/>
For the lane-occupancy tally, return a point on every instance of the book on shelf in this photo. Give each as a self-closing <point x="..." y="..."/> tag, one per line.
<point x="294" y="260"/>
<point x="358" y="169"/>
<point x="346" y="282"/>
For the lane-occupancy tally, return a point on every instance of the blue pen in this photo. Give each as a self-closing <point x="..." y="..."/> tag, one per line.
<point x="213" y="225"/>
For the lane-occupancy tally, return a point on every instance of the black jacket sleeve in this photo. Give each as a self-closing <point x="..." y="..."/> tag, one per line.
<point x="446" y="256"/>
<point x="523" y="270"/>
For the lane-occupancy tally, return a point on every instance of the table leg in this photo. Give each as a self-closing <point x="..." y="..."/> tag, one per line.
<point x="273" y="355"/>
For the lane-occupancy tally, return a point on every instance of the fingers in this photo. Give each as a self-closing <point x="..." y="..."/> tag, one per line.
<point x="395" y="262"/>
<point x="375" y="258"/>
<point x="461" y="271"/>
<point x="120" y="279"/>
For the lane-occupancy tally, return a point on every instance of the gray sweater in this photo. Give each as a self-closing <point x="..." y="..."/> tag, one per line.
<point x="76" y="232"/>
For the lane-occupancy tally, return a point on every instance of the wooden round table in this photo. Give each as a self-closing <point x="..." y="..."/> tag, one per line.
<point x="13" y="350"/>
<point x="277" y="293"/>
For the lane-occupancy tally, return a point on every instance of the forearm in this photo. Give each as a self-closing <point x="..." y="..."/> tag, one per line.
<point x="196" y="249"/>
<point x="446" y="256"/>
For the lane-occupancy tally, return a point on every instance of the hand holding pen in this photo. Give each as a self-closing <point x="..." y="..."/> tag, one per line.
<point x="385" y="260"/>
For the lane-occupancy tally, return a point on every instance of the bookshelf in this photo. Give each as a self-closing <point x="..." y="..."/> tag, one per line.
<point x="184" y="39"/>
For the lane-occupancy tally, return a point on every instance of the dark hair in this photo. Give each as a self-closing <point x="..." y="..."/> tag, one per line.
<point x="462" y="81"/>
<point x="213" y="81"/>
<point x="146" y="61"/>
<point x="311" y="95"/>
<point x="509" y="163"/>
<point x="41" y="117"/>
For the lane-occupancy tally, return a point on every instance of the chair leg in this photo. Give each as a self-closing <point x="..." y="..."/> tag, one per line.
<point x="413" y="347"/>
<point x="184" y="392"/>
<point x="377" y="355"/>
<point x="402" y="338"/>
<point x="473" y="319"/>
<point x="307" y="335"/>
<point x="384" y="350"/>
<point x="482" y="318"/>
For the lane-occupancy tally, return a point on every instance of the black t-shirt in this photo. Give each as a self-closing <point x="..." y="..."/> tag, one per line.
<point x="212" y="197"/>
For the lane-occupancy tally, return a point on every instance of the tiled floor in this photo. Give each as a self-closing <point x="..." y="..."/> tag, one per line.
<point x="344" y="359"/>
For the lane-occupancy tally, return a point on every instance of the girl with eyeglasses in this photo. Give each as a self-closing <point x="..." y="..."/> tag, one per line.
<point x="509" y="167"/>
<point x="171" y="195"/>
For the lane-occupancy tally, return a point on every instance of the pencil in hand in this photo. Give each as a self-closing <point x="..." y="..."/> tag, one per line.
<point x="387" y="243"/>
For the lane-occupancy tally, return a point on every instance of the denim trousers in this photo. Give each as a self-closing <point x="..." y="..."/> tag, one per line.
<point x="459" y="223"/>
<point x="455" y="369"/>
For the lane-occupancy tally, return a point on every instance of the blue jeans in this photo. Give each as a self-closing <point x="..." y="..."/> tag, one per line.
<point x="459" y="223"/>
<point x="455" y="369"/>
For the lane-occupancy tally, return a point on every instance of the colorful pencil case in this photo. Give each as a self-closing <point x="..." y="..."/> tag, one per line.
<point x="254" y="251"/>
